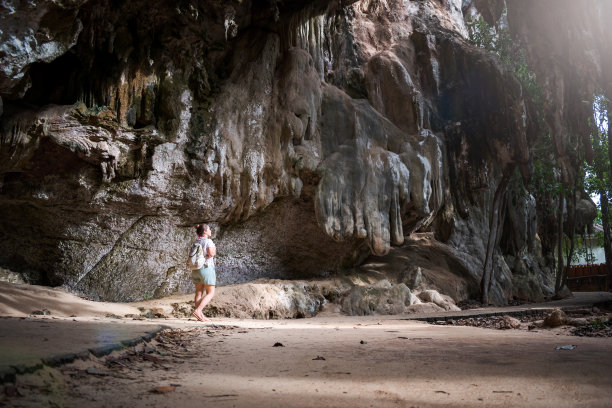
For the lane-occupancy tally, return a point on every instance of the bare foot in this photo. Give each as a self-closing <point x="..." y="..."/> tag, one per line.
<point x="205" y="319"/>
<point x="199" y="317"/>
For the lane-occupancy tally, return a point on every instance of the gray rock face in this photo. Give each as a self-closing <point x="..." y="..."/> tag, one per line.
<point x="310" y="136"/>
<point x="34" y="33"/>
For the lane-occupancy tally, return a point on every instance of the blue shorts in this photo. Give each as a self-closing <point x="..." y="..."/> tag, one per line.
<point x="205" y="275"/>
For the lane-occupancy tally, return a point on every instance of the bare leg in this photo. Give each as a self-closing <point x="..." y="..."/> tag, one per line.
<point x="210" y="293"/>
<point x="199" y="295"/>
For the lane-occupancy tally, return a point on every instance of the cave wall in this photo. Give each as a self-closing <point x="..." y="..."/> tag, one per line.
<point x="313" y="136"/>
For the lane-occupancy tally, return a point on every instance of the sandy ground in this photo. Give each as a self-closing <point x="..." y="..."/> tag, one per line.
<point x="20" y="300"/>
<point x="329" y="361"/>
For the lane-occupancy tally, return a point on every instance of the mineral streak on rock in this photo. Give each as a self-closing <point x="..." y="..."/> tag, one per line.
<point x="310" y="134"/>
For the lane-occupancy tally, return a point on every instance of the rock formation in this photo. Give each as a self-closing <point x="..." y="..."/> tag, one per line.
<point x="315" y="137"/>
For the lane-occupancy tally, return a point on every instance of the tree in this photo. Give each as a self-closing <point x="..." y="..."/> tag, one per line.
<point x="497" y="39"/>
<point x="599" y="172"/>
<point x="495" y="222"/>
<point x="608" y="248"/>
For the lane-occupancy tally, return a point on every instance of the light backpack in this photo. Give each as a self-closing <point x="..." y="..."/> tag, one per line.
<point x="196" y="258"/>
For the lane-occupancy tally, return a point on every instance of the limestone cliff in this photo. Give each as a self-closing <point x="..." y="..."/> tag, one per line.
<point x="315" y="137"/>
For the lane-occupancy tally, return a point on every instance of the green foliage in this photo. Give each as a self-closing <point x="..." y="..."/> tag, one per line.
<point x="498" y="39"/>
<point x="545" y="180"/>
<point x="597" y="328"/>
<point x="597" y="176"/>
<point x="482" y="34"/>
<point x="597" y="173"/>
<point x="599" y="236"/>
<point x="545" y="183"/>
<point x="601" y="324"/>
<point x="583" y="248"/>
<point x="598" y="219"/>
<point x="597" y="179"/>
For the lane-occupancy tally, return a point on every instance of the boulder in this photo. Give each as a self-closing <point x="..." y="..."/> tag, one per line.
<point x="432" y="296"/>
<point x="509" y="322"/>
<point x="555" y="319"/>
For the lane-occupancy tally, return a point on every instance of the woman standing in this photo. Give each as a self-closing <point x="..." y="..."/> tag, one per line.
<point x="204" y="278"/>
